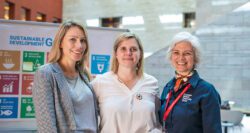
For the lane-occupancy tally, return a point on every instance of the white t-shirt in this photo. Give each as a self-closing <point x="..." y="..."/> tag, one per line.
<point x="127" y="111"/>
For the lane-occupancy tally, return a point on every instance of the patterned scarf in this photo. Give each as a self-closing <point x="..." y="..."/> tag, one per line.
<point x="181" y="80"/>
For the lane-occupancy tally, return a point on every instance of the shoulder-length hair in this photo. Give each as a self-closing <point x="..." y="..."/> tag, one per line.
<point x="56" y="52"/>
<point x="122" y="37"/>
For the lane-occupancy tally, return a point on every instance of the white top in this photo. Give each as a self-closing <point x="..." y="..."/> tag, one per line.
<point x="127" y="111"/>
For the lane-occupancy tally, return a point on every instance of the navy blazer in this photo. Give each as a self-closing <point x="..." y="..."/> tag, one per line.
<point x="197" y="111"/>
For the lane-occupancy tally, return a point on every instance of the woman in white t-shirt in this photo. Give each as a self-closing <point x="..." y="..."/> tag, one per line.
<point x="128" y="97"/>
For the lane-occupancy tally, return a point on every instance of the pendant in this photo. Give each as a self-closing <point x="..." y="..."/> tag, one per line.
<point x="185" y="79"/>
<point x="139" y="96"/>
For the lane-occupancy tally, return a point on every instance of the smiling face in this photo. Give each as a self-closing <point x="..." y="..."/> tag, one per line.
<point x="182" y="57"/>
<point x="73" y="45"/>
<point x="128" y="53"/>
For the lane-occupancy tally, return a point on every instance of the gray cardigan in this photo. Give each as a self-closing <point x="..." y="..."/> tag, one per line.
<point x="53" y="105"/>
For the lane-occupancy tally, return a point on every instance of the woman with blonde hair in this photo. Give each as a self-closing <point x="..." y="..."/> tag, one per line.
<point x="127" y="96"/>
<point x="64" y="101"/>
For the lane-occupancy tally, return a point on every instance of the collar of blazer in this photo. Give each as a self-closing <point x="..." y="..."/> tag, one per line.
<point x="65" y="91"/>
<point x="61" y="86"/>
<point x="57" y="69"/>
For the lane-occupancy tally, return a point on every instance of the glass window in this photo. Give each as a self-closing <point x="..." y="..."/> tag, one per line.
<point x="40" y="17"/>
<point x="25" y="14"/>
<point x="189" y="20"/>
<point x="9" y="9"/>
<point x="114" y="22"/>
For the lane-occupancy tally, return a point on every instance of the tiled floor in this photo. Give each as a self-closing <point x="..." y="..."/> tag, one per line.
<point x="244" y="128"/>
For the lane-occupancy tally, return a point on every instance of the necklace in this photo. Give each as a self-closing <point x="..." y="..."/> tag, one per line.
<point x="72" y="81"/>
<point x="129" y="83"/>
<point x="119" y="80"/>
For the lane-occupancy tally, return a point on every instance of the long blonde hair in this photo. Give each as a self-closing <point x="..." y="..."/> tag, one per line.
<point x="122" y="37"/>
<point x="56" y="52"/>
